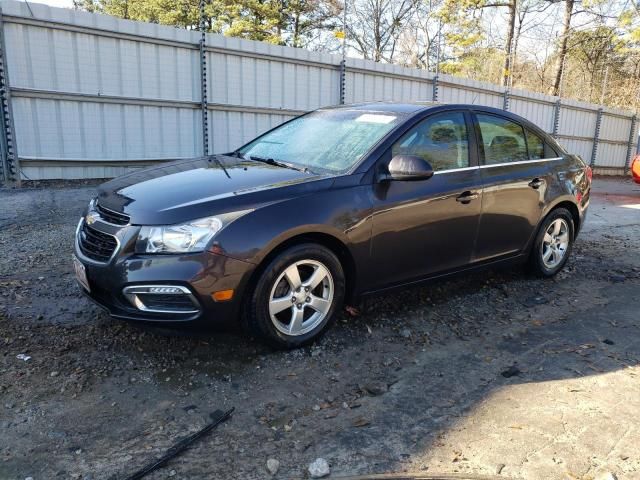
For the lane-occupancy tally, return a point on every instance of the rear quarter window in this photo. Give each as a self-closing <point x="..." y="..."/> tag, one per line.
<point x="551" y="152"/>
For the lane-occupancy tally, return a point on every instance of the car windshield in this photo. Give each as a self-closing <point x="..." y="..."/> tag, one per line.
<point x="325" y="140"/>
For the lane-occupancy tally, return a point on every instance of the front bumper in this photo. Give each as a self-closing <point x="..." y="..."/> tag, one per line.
<point x="201" y="274"/>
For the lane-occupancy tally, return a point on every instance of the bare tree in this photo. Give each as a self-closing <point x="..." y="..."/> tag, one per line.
<point x="374" y="26"/>
<point x="562" y="49"/>
<point x="508" y="46"/>
<point x="417" y="43"/>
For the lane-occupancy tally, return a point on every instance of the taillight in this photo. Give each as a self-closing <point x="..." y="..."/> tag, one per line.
<point x="589" y="173"/>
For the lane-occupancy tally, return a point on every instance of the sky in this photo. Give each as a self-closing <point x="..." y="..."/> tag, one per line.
<point x="57" y="3"/>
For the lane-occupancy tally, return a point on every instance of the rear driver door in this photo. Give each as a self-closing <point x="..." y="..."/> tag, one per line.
<point x="515" y="179"/>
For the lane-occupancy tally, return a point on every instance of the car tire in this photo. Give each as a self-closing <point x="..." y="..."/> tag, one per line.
<point x="286" y="308"/>
<point x="553" y="243"/>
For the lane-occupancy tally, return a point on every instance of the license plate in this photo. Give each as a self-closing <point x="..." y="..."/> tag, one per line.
<point x="81" y="274"/>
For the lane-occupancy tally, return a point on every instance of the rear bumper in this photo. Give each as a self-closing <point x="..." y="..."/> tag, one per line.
<point x="200" y="274"/>
<point x="583" y="207"/>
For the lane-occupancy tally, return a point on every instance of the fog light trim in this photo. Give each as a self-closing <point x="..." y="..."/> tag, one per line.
<point x="132" y="293"/>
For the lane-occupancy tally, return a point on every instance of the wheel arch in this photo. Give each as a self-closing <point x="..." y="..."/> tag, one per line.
<point x="331" y="242"/>
<point x="569" y="205"/>
<point x="561" y="203"/>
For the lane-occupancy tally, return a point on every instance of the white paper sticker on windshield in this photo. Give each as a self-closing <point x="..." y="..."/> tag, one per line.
<point x="375" y="118"/>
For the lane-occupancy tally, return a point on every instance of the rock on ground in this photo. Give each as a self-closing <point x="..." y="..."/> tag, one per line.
<point x="273" y="466"/>
<point x="319" y="468"/>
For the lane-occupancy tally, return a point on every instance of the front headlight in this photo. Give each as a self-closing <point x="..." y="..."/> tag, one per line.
<point x="192" y="236"/>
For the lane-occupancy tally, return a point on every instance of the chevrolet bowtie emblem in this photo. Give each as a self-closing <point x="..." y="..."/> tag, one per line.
<point x="91" y="218"/>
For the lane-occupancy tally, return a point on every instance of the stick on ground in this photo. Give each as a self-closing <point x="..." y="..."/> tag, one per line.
<point x="219" y="416"/>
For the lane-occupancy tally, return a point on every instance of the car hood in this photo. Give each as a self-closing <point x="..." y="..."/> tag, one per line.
<point x="184" y="190"/>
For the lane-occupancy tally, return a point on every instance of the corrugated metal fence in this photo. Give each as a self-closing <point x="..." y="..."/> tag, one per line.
<point x="92" y="96"/>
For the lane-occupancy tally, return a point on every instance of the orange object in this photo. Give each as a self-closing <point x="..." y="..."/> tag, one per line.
<point x="635" y="169"/>
<point x="222" y="295"/>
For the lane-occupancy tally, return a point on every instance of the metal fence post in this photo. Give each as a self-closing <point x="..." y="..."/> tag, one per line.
<point x="203" y="83"/>
<point x="632" y="134"/>
<point x="343" y="79"/>
<point x="434" y="94"/>
<point x="505" y="99"/>
<point x="343" y="62"/>
<point x="9" y="163"/>
<point x="556" y="118"/>
<point x="596" y="138"/>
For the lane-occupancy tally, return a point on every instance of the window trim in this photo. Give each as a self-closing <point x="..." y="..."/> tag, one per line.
<point x="520" y="162"/>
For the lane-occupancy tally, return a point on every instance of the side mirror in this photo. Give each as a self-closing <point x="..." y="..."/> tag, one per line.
<point x="409" y="168"/>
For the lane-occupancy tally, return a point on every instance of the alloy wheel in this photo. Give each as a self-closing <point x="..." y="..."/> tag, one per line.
<point x="555" y="243"/>
<point x="301" y="297"/>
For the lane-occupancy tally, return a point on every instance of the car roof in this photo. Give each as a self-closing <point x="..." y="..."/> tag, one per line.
<point x="409" y="108"/>
<point x="390" y="107"/>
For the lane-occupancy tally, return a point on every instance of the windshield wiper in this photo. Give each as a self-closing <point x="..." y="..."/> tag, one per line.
<point x="277" y="163"/>
<point x="221" y="165"/>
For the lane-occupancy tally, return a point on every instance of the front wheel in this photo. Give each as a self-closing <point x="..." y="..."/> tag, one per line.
<point x="296" y="297"/>
<point x="553" y="243"/>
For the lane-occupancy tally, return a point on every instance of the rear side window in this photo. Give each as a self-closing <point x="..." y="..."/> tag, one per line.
<point x="503" y="141"/>
<point x="536" y="146"/>
<point x="440" y="139"/>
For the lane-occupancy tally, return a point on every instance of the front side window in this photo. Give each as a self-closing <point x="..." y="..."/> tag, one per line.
<point x="325" y="140"/>
<point x="536" y="146"/>
<point x="441" y="140"/>
<point x="502" y="140"/>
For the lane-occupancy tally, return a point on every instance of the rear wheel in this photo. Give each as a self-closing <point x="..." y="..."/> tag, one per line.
<point x="553" y="243"/>
<point x="296" y="296"/>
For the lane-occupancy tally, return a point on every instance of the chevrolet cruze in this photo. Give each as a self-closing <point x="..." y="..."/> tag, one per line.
<point x="326" y="208"/>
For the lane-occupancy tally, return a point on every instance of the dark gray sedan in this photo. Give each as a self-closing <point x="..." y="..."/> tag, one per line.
<point x="330" y="206"/>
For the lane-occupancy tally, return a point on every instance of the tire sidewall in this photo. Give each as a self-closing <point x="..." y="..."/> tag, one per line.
<point x="536" y="253"/>
<point x="259" y="320"/>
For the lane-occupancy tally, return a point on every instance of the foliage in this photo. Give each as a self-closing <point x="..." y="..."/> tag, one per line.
<point x="584" y="49"/>
<point x="283" y="22"/>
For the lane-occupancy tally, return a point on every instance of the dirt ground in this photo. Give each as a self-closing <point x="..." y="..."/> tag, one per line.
<point x="496" y="374"/>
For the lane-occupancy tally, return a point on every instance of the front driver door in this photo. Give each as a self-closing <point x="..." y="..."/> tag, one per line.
<point x="428" y="226"/>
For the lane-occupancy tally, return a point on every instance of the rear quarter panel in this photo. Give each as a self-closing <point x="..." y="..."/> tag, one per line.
<point x="570" y="184"/>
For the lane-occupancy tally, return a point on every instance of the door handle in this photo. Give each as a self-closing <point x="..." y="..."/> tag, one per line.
<point x="466" y="197"/>
<point x="536" y="183"/>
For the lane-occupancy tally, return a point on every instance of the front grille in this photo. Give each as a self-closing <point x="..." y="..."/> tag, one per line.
<point x="96" y="245"/>
<point x="173" y="303"/>
<point x="110" y="216"/>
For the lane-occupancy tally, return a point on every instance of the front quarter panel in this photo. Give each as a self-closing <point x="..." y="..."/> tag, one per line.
<point x="342" y="212"/>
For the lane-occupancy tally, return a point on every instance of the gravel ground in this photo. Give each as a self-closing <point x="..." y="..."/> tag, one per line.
<point x="496" y="374"/>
